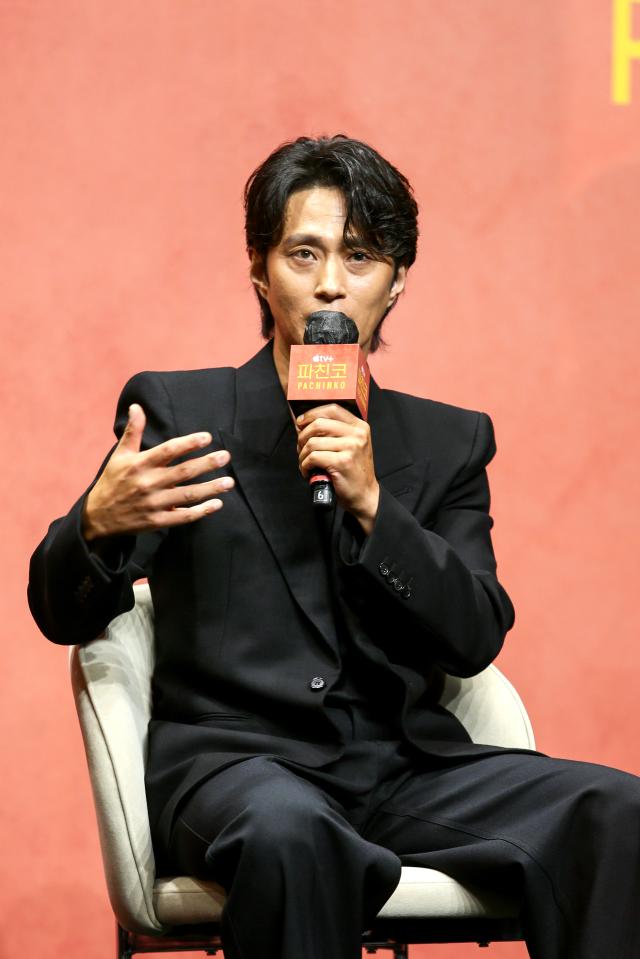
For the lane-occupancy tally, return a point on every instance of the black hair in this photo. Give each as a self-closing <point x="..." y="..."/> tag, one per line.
<point x="381" y="212"/>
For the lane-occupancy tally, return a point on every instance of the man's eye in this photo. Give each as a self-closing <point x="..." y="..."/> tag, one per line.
<point x="303" y="254"/>
<point x="360" y="256"/>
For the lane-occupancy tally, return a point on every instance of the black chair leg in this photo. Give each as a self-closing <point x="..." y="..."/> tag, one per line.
<point x="400" y="950"/>
<point x="126" y="946"/>
<point x="123" y="946"/>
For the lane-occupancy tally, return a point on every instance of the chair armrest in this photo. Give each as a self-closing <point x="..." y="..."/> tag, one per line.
<point x="489" y="708"/>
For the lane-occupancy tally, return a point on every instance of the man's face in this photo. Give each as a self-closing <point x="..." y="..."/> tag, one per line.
<point x="311" y="269"/>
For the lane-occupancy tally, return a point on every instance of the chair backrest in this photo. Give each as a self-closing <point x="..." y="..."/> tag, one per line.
<point x="111" y="678"/>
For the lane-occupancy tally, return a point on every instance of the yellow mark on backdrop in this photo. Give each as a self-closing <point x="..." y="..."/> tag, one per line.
<point x="625" y="49"/>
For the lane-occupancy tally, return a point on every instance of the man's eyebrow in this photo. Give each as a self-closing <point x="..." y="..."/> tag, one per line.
<point x="312" y="239"/>
<point x="302" y="239"/>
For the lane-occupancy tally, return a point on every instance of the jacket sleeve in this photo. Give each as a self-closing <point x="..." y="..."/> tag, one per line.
<point x="437" y="582"/>
<point x="74" y="592"/>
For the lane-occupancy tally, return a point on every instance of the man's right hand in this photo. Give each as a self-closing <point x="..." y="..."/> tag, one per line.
<point x="140" y="491"/>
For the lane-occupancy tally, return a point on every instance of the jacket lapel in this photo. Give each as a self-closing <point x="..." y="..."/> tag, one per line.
<point x="264" y="460"/>
<point x="395" y="466"/>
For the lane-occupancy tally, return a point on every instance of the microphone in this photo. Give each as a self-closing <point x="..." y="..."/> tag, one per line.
<point x="330" y="367"/>
<point x="329" y="326"/>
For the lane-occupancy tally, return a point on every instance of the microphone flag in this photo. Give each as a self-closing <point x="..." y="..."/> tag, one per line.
<point x="329" y="373"/>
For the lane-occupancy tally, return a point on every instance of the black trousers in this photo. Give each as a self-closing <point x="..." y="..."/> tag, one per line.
<point x="308" y="857"/>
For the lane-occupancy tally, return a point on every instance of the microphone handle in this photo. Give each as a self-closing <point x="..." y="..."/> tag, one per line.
<point x="323" y="495"/>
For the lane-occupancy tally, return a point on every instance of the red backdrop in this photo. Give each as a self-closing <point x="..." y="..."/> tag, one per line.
<point x="127" y="132"/>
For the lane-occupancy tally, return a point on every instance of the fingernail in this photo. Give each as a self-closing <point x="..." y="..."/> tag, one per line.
<point x="300" y="418"/>
<point x="204" y="439"/>
<point x="226" y="482"/>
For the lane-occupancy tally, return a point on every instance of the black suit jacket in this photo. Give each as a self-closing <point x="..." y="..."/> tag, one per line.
<point x="243" y="603"/>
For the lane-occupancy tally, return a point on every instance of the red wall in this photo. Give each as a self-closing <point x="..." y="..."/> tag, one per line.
<point x="128" y="129"/>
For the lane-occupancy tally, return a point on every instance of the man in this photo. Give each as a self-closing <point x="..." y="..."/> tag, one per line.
<point x="297" y="752"/>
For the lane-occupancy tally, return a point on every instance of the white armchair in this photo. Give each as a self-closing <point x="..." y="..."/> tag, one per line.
<point x="111" y="679"/>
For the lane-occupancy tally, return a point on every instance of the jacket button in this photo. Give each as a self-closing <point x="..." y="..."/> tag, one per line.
<point x="398" y="586"/>
<point x="384" y="569"/>
<point x="317" y="683"/>
<point x="406" y="592"/>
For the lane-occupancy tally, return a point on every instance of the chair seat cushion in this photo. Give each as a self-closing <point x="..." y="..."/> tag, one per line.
<point x="422" y="893"/>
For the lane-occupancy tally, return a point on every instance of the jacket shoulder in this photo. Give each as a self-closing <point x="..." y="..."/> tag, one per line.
<point x="179" y="381"/>
<point x="182" y="388"/>
<point x="443" y="426"/>
<point x="430" y="413"/>
<point x="179" y="400"/>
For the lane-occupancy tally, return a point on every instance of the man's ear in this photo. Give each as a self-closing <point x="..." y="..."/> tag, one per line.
<point x="258" y="273"/>
<point x="398" y="285"/>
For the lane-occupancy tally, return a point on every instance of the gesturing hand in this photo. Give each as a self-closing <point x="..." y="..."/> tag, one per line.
<point x="336" y="442"/>
<point x="140" y="491"/>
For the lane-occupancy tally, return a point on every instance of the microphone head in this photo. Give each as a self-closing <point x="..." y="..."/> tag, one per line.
<point x="330" y="326"/>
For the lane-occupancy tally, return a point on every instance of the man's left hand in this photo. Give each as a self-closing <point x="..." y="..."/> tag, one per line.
<point x="334" y="441"/>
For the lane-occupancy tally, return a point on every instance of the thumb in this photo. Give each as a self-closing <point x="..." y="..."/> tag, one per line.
<point x="131" y="439"/>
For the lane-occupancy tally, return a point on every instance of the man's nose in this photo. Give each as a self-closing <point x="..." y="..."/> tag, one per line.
<point x="330" y="283"/>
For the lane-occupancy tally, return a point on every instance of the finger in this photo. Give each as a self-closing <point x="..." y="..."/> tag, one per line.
<point x="180" y="516"/>
<point x="132" y="436"/>
<point x="187" y="496"/>
<point x="332" y="411"/>
<point x="325" y="427"/>
<point x="166" y="452"/>
<point x="331" y="444"/>
<point x="195" y="466"/>
<point x="326" y="460"/>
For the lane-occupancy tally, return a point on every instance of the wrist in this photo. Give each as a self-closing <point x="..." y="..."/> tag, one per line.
<point x="367" y="512"/>
<point x="90" y="529"/>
